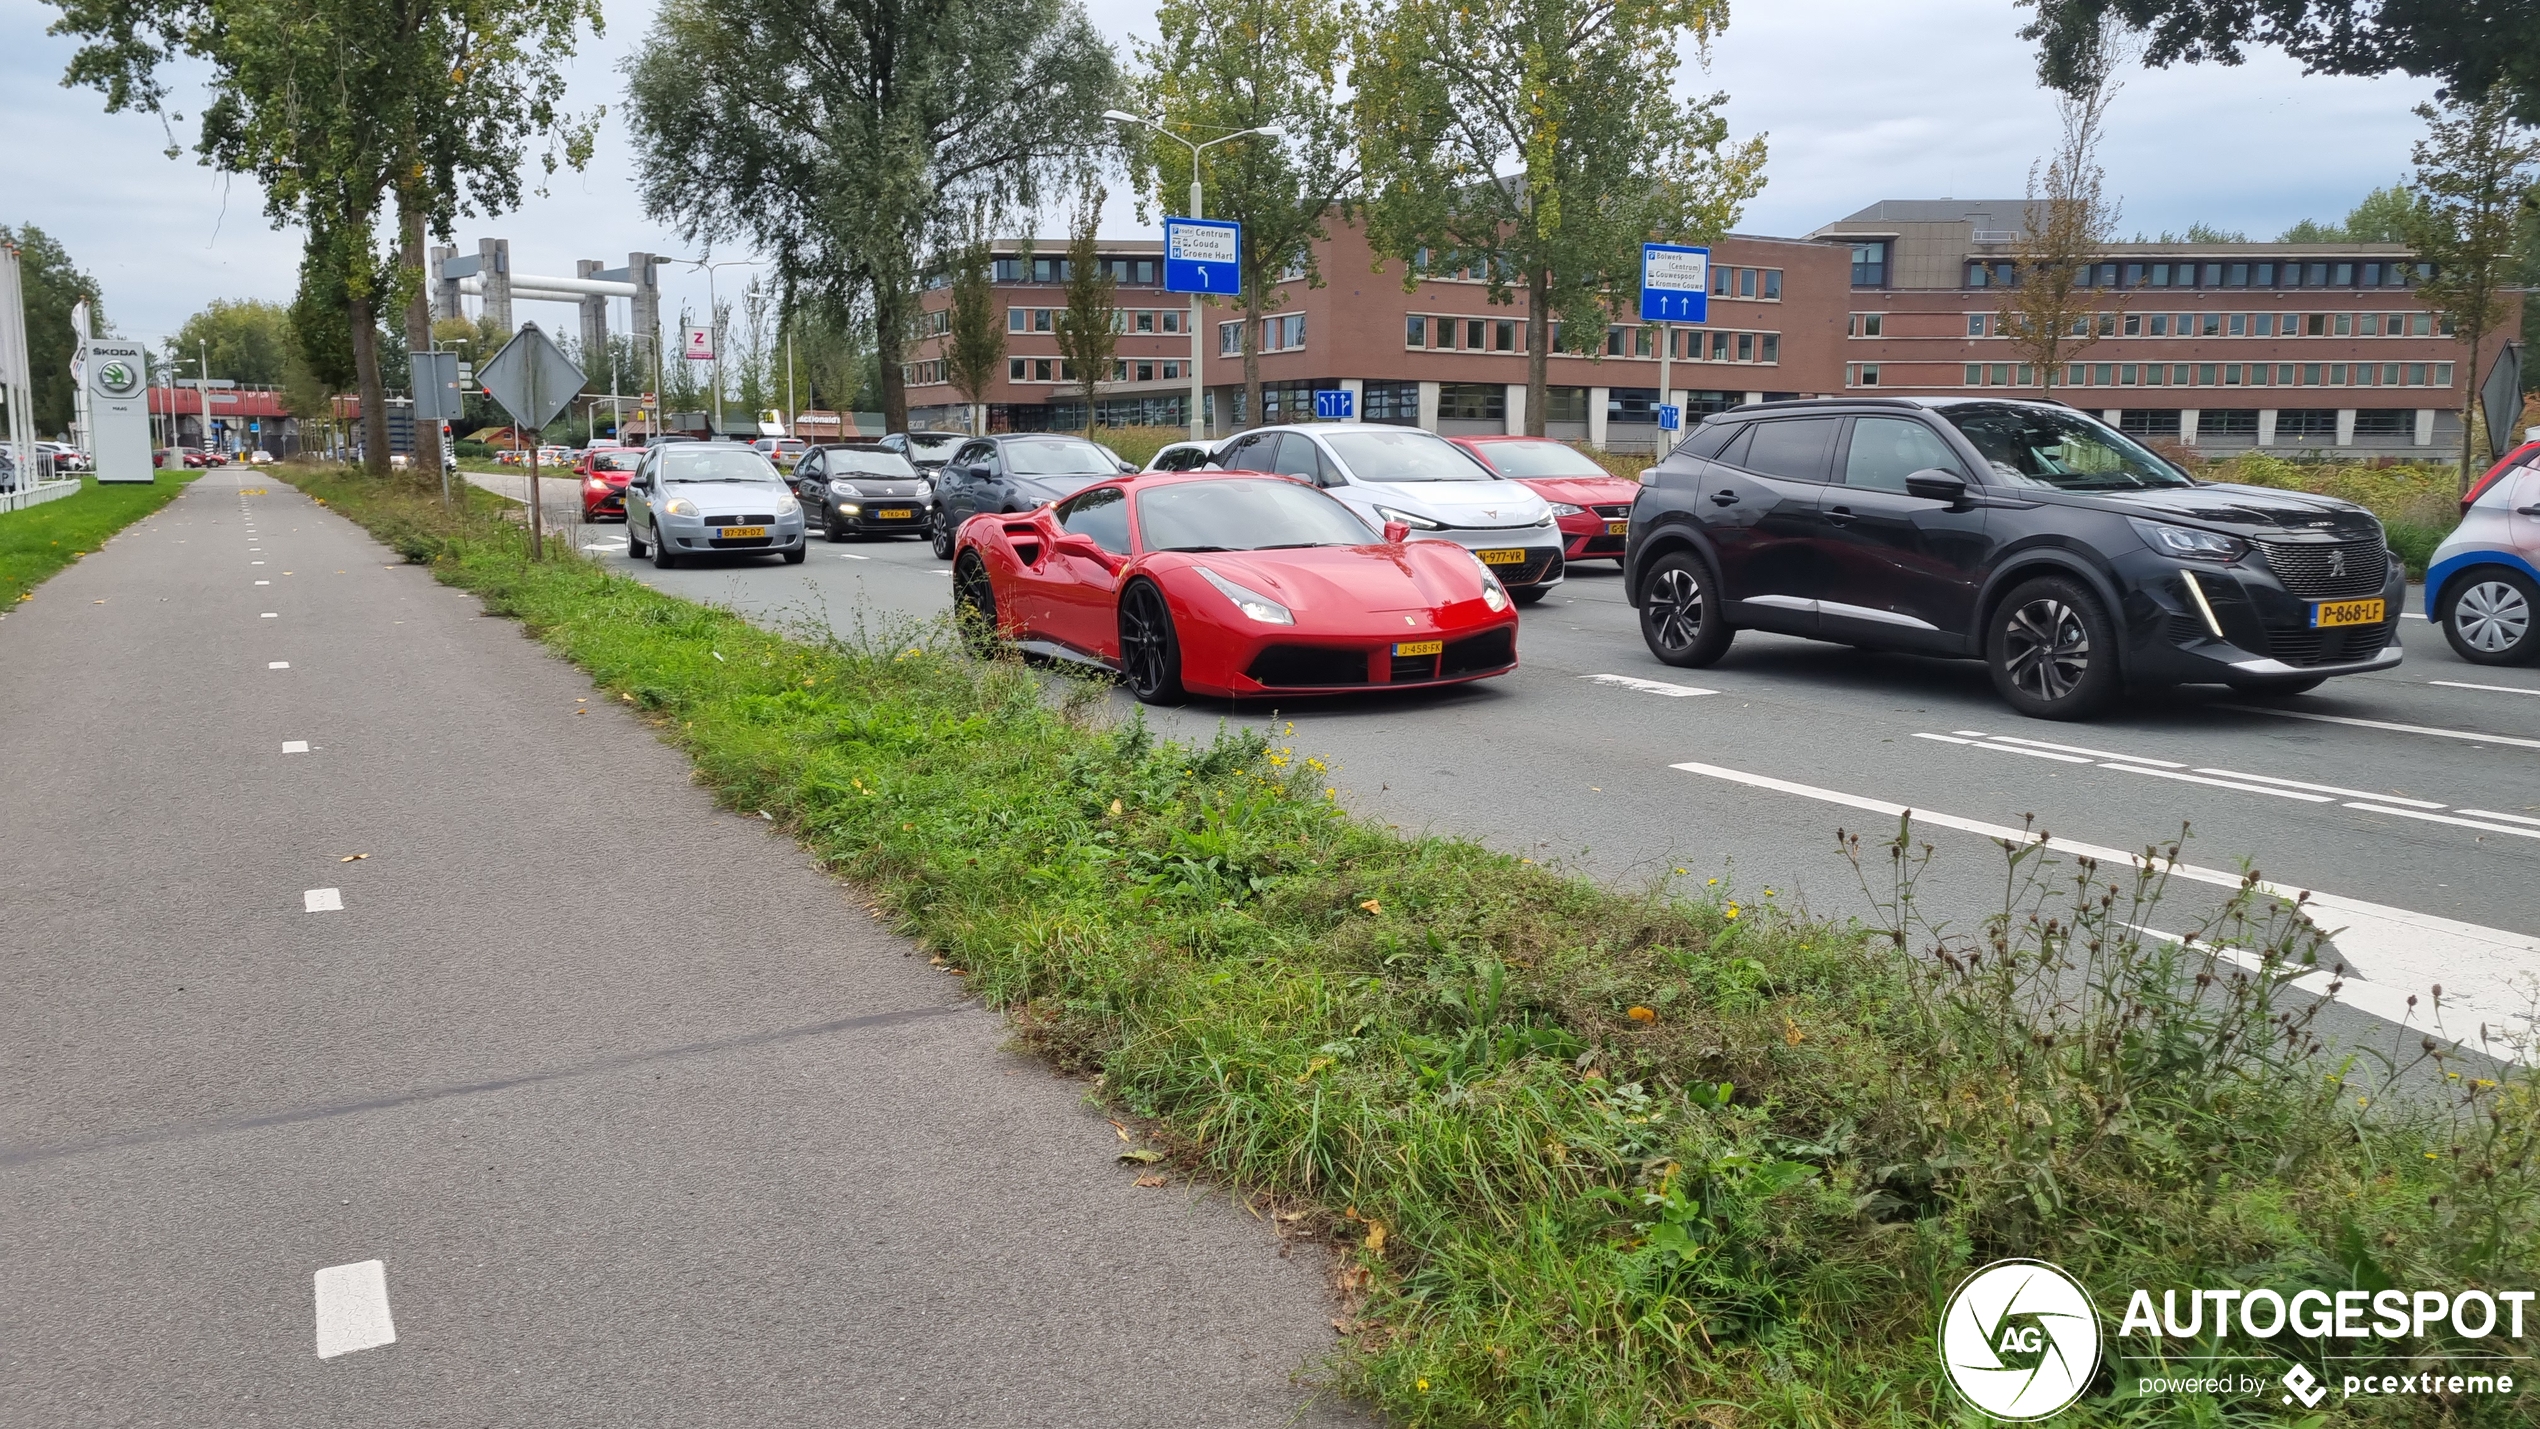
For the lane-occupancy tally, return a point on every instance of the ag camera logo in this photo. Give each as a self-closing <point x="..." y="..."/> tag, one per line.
<point x="2020" y="1340"/>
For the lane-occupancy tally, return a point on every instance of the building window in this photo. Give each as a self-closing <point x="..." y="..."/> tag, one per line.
<point x="1415" y="332"/>
<point x="1769" y="347"/>
<point x="1394" y="402"/>
<point x="2383" y="422"/>
<point x="1975" y="375"/>
<point x="2101" y="374"/>
<point x="1773" y="284"/>
<point x="2239" y="324"/>
<point x="1565" y="404"/>
<point x="1146" y="322"/>
<point x="1644" y="342"/>
<point x="1746" y="282"/>
<point x="1869" y="265"/>
<point x="2228" y="422"/>
<point x="1746" y="347"/>
<point x="1722" y="280"/>
<point x="2442" y="374"/>
<point x="1503" y="336"/>
<point x="2148" y="422"/>
<point x="2237" y="277"/>
<point x="1977" y="275"/>
<point x="1863" y="325"/>
<point x="1719" y="347"/>
<point x="2160" y="275"/>
<point x="1041" y="370"/>
<point x="1975" y="324"/>
<point x="2303" y="422"/>
<point x="1866" y="374"/>
<point x="1014" y="369"/>
<point x="1230" y="339"/>
<point x="1172" y="371"/>
<point x="1472" y="402"/>
<point x="1172" y="322"/>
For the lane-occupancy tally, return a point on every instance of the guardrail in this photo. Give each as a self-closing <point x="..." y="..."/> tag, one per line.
<point x="41" y="484"/>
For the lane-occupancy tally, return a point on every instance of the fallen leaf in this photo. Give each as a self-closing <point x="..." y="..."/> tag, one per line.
<point x="1294" y="1215"/>
<point x="1791" y="1033"/>
<point x="350" y="857"/>
<point x="1148" y="1181"/>
<point x="1375" y="1237"/>
<point x="96" y="602"/>
<point x="1370" y="906"/>
<point x="1115" y="808"/>
<point x="1640" y="1014"/>
<point x="1115" y="1126"/>
<point x="581" y="711"/>
<point x="1143" y="1156"/>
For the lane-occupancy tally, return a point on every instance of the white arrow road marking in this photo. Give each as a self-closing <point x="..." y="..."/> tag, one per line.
<point x="2484" y="972"/>
<point x="352" y="1309"/>
<point x="1647" y="687"/>
<point x="323" y="900"/>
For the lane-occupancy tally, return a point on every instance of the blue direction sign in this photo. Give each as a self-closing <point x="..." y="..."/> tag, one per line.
<point x="1670" y="416"/>
<point x="1675" y="283"/>
<point x="1203" y="255"/>
<point x="1335" y="406"/>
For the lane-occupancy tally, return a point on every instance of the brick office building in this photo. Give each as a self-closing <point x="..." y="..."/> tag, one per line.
<point x="1440" y="356"/>
<point x="2282" y="346"/>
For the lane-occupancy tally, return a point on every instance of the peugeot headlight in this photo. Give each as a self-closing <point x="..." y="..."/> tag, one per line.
<point x="1564" y="508"/>
<point x="2188" y="543"/>
<point x="679" y="506"/>
<point x="842" y="488"/>
<point x="1416" y="523"/>
<point x="1251" y="602"/>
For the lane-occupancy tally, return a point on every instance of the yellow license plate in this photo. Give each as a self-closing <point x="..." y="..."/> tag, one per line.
<point x="741" y="533"/>
<point x="1420" y="647"/>
<point x="1502" y="558"/>
<point x="1617" y="528"/>
<point x="896" y="513"/>
<point x="2330" y="613"/>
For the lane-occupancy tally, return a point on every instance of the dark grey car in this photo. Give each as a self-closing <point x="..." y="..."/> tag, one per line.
<point x="1014" y="471"/>
<point x="862" y="489"/>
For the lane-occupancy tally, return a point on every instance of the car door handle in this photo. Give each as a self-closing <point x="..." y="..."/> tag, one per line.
<point x="2531" y="510"/>
<point x="1839" y="515"/>
<point x="1724" y="497"/>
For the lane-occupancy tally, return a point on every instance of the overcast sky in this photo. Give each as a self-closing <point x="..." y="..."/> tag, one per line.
<point x="1862" y="102"/>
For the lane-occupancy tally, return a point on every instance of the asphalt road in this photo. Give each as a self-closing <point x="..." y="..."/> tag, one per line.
<point x="2419" y="827"/>
<point x="346" y="953"/>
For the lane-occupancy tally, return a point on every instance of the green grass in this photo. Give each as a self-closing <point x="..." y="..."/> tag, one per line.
<point x="38" y="541"/>
<point x="1587" y="1156"/>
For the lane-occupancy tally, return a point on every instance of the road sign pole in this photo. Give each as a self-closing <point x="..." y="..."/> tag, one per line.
<point x="1666" y="356"/>
<point x="1199" y="393"/>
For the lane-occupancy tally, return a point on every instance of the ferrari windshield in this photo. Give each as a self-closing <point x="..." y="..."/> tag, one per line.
<point x="704" y="461"/>
<point x="1057" y="456"/>
<point x="1539" y="459"/>
<point x="2043" y="446"/>
<point x="1244" y="514"/>
<point x="1406" y="455"/>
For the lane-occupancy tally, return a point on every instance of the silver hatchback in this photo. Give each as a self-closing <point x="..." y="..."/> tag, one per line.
<point x="710" y="498"/>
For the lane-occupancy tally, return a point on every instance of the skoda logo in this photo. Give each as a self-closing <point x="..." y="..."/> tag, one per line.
<point x="2020" y="1340"/>
<point x="2337" y="563"/>
<point x="117" y="378"/>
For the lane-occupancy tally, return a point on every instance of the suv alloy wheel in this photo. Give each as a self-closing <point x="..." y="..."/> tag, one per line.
<point x="2051" y="650"/>
<point x="1679" y="619"/>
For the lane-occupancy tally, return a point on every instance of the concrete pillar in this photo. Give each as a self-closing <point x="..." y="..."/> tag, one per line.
<point x="1356" y="387"/>
<point x="2187" y="426"/>
<point x="1596" y="399"/>
<point x="595" y="326"/>
<point x="1516" y="409"/>
<point x="445" y="289"/>
<point x="2425" y="427"/>
<point x="2266" y="426"/>
<point x="2112" y="416"/>
<point x="494" y="269"/>
<point x="2345" y="426"/>
<point x="644" y="321"/>
<point x="1429" y="406"/>
<point x="1754" y="396"/>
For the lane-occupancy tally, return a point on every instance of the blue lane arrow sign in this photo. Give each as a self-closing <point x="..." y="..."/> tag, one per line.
<point x="1675" y="283"/>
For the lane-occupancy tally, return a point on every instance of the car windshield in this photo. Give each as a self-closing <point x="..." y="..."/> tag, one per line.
<point x="704" y="462"/>
<point x="1409" y="455"/>
<point x="2043" y="446"/>
<point x="1057" y="456"/>
<point x="930" y="443"/>
<point x="1244" y="514"/>
<point x="889" y="466"/>
<point x="617" y="461"/>
<point x="1540" y="459"/>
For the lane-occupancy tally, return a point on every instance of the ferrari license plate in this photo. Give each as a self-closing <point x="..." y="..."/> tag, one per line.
<point x="1502" y="558"/>
<point x="1617" y="528"/>
<point x="1419" y="647"/>
<point x="741" y="533"/>
<point x="2328" y="614"/>
<point x="895" y="513"/>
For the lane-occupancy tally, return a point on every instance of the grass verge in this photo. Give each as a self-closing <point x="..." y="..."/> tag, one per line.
<point x="39" y="541"/>
<point x="1592" y="1157"/>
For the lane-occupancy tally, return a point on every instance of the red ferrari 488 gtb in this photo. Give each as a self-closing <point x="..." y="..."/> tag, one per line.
<point x="1231" y="584"/>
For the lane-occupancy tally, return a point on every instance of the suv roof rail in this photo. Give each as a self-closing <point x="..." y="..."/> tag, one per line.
<point x="1791" y="403"/>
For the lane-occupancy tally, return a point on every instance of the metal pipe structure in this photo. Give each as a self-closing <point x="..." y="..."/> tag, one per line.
<point x="568" y="290"/>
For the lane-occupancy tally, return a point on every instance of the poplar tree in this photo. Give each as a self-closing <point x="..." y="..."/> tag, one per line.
<point x="1088" y="328"/>
<point x="974" y="343"/>
<point x="2474" y="178"/>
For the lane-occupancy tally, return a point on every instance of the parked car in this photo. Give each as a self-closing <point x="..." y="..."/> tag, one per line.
<point x="864" y="489"/>
<point x="927" y="451"/>
<point x="1231" y="585"/>
<point x="605" y="472"/>
<point x="782" y="451"/>
<point x="704" y="498"/>
<point x="1592" y="506"/>
<point x="2068" y="558"/>
<point x="1422" y="480"/>
<point x="2483" y="585"/>
<point x="1182" y="456"/>
<point x="1012" y="471"/>
<point x="66" y="458"/>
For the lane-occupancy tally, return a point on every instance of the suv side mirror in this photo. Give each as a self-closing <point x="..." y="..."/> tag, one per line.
<point x="1933" y="484"/>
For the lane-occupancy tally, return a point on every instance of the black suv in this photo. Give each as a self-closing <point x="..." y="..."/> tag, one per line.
<point x="2069" y="559"/>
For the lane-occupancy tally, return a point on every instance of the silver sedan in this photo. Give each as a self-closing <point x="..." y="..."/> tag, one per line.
<point x="710" y="498"/>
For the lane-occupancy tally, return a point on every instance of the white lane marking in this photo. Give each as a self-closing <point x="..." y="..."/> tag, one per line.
<point x="278" y="665"/>
<point x="2324" y="788"/>
<point x="295" y="746"/>
<point x="2382" y="1002"/>
<point x="2413" y="615"/>
<point x="849" y="556"/>
<point x="264" y="583"/>
<point x="2223" y="783"/>
<point x="1647" y="687"/>
<point x="255" y="563"/>
<point x="322" y="900"/>
<point x="2446" y="819"/>
<point x="1943" y="738"/>
<point x="2073" y="749"/>
<point x="2492" y="814"/>
<point x="2484" y="969"/>
<point x="270" y="615"/>
<point x="2385" y="724"/>
<point x="2031" y="753"/>
<point x="2499" y="689"/>
<point x="352" y="1309"/>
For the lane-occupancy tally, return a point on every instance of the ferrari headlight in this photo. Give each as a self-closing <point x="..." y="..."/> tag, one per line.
<point x="1251" y="602"/>
<point x="1416" y="523"/>
<point x="1494" y="594"/>
<point x="679" y="506"/>
<point x="1564" y="508"/>
<point x="2188" y="543"/>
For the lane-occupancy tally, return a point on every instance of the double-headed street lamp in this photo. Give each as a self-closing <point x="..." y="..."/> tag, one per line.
<point x="713" y="325"/>
<point x="1199" y="430"/>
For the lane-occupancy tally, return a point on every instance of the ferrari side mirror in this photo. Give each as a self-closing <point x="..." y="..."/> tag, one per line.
<point x="1396" y="533"/>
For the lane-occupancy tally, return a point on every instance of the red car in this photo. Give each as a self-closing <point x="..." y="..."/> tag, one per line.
<point x="1592" y="505"/>
<point x="604" y="471"/>
<point x="1235" y="584"/>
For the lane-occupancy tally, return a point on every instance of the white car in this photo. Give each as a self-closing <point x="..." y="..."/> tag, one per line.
<point x="1181" y="456"/>
<point x="1420" y="480"/>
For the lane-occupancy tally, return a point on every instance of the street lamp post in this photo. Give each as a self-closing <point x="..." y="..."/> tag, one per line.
<point x="1199" y="430"/>
<point x="714" y="323"/>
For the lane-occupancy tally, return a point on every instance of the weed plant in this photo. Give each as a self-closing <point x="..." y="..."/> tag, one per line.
<point x="1587" y="1156"/>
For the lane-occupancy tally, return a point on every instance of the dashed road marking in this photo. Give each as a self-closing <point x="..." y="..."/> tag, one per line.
<point x="2447" y="819"/>
<point x="2471" y="735"/>
<point x="2498" y="689"/>
<point x="264" y="583"/>
<point x="322" y="900"/>
<point x="1646" y="687"/>
<point x="2325" y="789"/>
<point x="270" y="615"/>
<point x="295" y="746"/>
<point x="352" y="1309"/>
<point x="277" y="664"/>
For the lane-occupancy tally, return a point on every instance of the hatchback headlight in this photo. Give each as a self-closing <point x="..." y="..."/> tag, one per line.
<point x="679" y="506"/>
<point x="1416" y="523"/>
<point x="786" y="505"/>
<point x="1251" y="602"/>
<point x="2187" y="543"/>
<point x="1564" y="508"/>
<point x="842" y="488"/>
